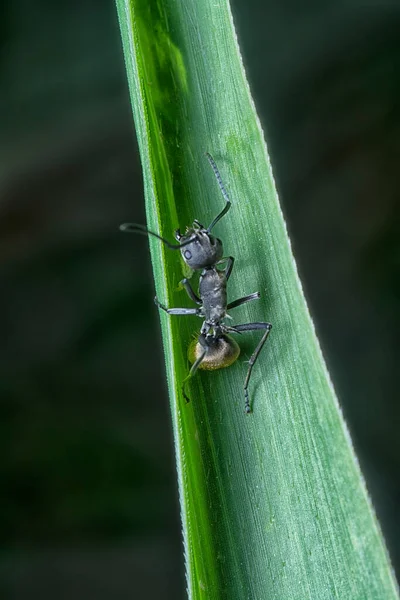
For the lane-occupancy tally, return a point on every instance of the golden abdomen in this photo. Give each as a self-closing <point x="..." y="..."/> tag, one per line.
<point x="220" y="353"/>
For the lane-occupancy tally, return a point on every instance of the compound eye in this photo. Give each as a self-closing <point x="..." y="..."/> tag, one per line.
<point x="188" y="254"/>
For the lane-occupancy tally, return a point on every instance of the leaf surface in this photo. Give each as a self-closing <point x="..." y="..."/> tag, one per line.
<point x="273" y="503"/>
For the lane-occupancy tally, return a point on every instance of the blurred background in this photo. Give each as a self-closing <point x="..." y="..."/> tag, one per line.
<point x="88" y="499"/>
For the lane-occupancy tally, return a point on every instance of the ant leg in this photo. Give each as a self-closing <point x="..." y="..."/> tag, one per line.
<point x="241" y="301"/>
<point x="195" y="366"/>
<point x="230" y="261"/>
<point x="229" y="267"/>
<point x="176" y="311"/>
<point x="190" y="292"/>
<point x="254" y="356"/>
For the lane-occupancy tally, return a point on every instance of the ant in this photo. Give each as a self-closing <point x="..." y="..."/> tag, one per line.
<point x="214" y="348"/>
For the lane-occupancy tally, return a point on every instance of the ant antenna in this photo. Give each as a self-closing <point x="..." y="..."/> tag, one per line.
<point x="136" y="228"/>
<point x="223" y="190"/>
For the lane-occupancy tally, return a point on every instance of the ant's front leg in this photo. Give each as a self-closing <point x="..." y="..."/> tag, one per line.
<point x="230" y="261"/>
<point x="177" y="311"/>
<point x="190" y="291"/>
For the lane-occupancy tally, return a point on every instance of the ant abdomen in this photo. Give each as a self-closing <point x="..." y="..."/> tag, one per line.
<point x="219" y="352"/>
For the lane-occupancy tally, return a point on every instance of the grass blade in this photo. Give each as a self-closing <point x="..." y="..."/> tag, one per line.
<point x="273" y="504"/>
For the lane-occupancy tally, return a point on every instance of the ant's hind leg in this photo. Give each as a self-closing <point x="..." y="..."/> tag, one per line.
<point x="252" y="327"/>
<point x="195" y="366"/>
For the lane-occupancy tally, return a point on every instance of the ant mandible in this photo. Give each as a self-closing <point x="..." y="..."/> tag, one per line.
<point x="214" y="348"/>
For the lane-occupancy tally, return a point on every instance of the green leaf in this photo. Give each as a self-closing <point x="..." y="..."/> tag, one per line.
<point x="273" y="503"/>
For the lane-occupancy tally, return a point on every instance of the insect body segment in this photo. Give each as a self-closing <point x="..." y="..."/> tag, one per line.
<point x="221" y="352"/>
<point x="212" y="289"/>
<point x="214" y="348"/>
<point x="199" y="249"/>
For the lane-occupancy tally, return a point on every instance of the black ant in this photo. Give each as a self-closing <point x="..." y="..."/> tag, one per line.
<point x="201" y="251"/>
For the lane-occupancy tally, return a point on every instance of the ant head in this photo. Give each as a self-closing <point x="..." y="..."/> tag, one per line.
<point x="204" y="250"/>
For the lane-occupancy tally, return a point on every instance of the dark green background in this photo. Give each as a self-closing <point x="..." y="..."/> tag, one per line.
<point x="88" y="501"/>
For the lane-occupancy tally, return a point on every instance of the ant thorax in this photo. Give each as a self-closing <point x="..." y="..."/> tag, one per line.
<point x="212" y="288"/>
